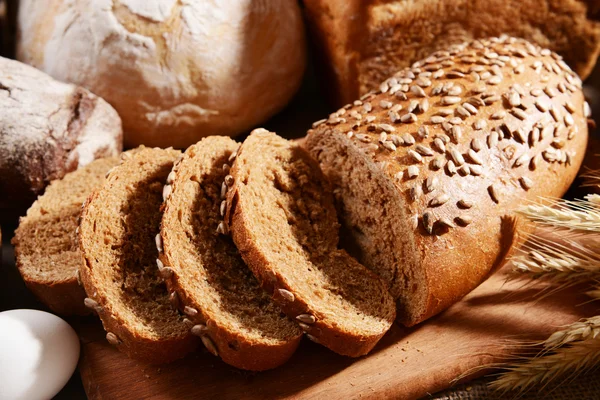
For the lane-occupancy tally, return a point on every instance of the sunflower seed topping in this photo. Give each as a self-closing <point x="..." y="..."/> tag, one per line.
<point x="428" y="222"/>
<point x="450" y="100"/>
<point x="423" y="150"/>
<point x="199" y="330"/>
<point x="423" y="132"/>
<point x="112" y="339"/>
<point x="287" y="295"/>
<point x="439" y="145"/>
<point x="464" y="220"/>
<point x="493" y="192"/>
<point x="476" y="144"/>
<point x="306" y="318"/>
<point x="525" y="182"/>
<point x="498" y="115"/>
<point x="439" y="200"/>
<point x="408" y="118"/>
<point x="431" y="183"/>
<point x="456" y="156"/>
<point x="412" y="172"/>
<point x="210" y="346"/>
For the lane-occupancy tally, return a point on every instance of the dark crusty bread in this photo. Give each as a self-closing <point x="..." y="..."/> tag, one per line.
<point x="119" y="226"/>
<point x="282" y="218"/>
<point x="47" y="128"/>
<point x="427" y="169"/>
<point x="46" y="249"/>
<point x="210" y="283"/>
<point x="363" y="42"/>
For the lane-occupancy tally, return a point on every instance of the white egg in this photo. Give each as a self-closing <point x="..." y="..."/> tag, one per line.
<point x="38" y="354"/>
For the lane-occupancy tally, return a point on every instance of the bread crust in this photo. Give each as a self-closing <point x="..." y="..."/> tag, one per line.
<point x="158" y="63"/>
<point x="323" y="331"/>
<point x="233" y="347"/>
<point x="137" y="346"/>
<point x="364" y="42"/>
<point x="511" y="160"/>
<point x="47" y="128"/>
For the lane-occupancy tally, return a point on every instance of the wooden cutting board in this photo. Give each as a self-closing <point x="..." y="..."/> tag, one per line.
<point x="407" y="363"/>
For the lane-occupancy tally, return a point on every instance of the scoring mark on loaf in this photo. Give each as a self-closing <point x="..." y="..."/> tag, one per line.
<point x="495" y="99"/>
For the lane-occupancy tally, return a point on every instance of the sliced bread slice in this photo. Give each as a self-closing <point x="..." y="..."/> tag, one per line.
<point x="117" y="235"/>
<point x="281" y="215"/>
<point x="235" y="318"/>
<point x="46" y="249"/>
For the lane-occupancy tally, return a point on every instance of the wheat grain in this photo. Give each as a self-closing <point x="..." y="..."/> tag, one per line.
<point x="544" y="258"/>
<point x="563" y="362"/>
<point x="585" y="329"/>
<point x="569" y="214"/>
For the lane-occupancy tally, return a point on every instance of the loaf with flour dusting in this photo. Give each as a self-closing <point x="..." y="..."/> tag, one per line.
<point x="176" y="71"/>
<point x="429" y="168"/>
<point x="47" y="128"/>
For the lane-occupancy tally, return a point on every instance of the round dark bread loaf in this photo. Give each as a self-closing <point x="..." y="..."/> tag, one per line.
<point x="46" y="248"/>
<point x="207" y="278"/>
<point x="47" y="128"/>
<point x="117" y="234"/>
<point x="429" y="169"/>
<point x="281" y="214"/>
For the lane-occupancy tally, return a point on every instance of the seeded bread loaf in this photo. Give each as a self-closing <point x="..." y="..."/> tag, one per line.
<point x="46" y="249"/>
<point x="282" y="218"/>
<point x="428" y="169"/>
<point x="117" y="235"/>
<point x="47" y="128"/>
<point x="210" y="283"/>
<point x="363" y="42"/>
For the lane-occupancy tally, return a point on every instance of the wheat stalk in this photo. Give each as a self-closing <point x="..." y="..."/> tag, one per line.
<point x="544" y="258"/>
<point x="568" y="214"/>
<point x="571" y="256"/>
<point x="563" y="362"/>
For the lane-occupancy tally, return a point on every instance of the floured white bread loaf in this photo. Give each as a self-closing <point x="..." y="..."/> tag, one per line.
<point x="47" y="128"/>
<point x="363" y="42"/>
<point x="174" y="70"/>
<point x="427" y="168"/>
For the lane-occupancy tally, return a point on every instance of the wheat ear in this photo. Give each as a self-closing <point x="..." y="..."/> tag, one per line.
<point x="570" y="261"/>
<point x="569" y="214"/>
<point x="564" y="362"/>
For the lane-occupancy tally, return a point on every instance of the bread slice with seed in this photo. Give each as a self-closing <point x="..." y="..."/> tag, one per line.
<point x="46" y="249"/>
<point x="430" y="171"/>
<point x="282" y="218"/>
<point x="234" y="317"/>
<point x="117" y="236"/>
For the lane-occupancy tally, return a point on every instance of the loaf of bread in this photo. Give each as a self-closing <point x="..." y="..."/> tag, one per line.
<point x="117" y="234"/>
<point x="363" y="42"/>
<point x="47" y="128"/>
<point x="175" y="71"/>
<point x="428" y="169"/>
<point x="209" y="282"/>
<point x="281" y="215"/>
<point x="46" y="249"/>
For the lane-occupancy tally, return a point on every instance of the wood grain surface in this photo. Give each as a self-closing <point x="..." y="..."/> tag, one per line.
<point x="406" y="364"/>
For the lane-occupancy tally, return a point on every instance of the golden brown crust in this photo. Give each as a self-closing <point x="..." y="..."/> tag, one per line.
<point x="364" y="42"/>
<point x="323" y="329"/>
<point x="62" y="298"/>
<point x="518" y="127"/>
<point x="233" y="346"/>
<point x="120" y="333"/>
